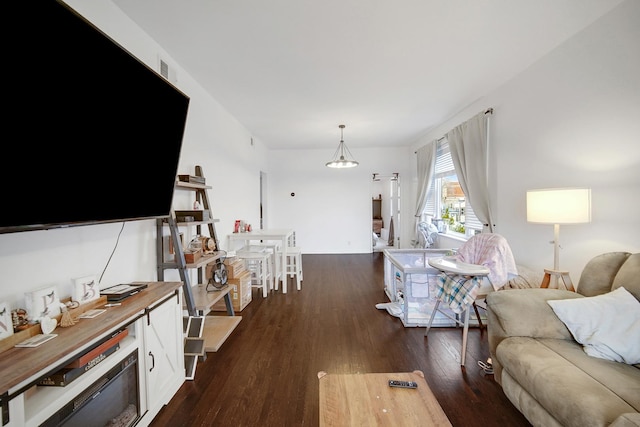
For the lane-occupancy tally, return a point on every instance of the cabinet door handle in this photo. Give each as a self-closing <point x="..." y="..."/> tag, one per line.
<point x="153" y="361"/>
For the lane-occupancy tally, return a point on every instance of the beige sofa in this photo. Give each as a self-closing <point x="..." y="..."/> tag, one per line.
<point x="548" y="375"/>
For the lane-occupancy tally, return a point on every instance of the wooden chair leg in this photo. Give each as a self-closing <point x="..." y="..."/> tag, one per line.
<point x="564" y="275"/>
<point x="475" y="308"/>
<point x="433" y="315"/>
<point x="545" y="280"/>
<point x="465" y="334"/>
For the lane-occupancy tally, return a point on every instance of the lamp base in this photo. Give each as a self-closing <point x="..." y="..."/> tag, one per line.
<point x="564" y="275"/>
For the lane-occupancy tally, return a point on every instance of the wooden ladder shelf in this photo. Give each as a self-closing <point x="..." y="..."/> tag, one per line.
<point x="202" y="333"/>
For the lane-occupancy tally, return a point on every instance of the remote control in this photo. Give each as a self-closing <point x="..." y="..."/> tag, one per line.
<point x="403" y="384"/>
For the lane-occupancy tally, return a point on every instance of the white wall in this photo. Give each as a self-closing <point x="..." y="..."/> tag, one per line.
<point x="331" y="209"/>
<point x="571" y="119"/>
<point x="213" y="139"/>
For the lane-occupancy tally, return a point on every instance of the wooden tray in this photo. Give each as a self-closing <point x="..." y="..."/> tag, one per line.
<point x="34" y="329"/>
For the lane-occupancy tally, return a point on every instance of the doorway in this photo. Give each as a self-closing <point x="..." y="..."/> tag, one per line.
<point x="263" y="200"/>
<point x="385" y="210"/>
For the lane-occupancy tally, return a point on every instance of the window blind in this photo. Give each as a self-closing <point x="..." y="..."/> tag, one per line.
<point x="444" y="168"/>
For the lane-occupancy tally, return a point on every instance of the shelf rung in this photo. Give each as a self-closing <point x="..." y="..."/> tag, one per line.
<point x="194" y="347"/>
<point x="190" y="363"/>
<point x="194" y="327"/>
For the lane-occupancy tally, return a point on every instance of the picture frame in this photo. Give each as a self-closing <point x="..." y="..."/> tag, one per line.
<point x="42" y="302"/>
<point x="85" y="289"/>
<point x="6" y="323"/>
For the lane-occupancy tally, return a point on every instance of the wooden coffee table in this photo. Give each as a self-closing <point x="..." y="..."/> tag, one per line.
<point x="367" y="400"/>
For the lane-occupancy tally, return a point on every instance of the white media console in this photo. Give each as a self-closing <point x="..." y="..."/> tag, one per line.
<point x="152" y="354"/>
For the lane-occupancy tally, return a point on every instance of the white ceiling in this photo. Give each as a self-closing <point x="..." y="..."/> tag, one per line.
<point x="291" y="71"/>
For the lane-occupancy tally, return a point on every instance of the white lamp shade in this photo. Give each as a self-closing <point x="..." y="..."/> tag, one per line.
<point x="559" y="205"/>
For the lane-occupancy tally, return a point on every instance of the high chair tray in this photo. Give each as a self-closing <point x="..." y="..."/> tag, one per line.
<point x="452" y="265"/>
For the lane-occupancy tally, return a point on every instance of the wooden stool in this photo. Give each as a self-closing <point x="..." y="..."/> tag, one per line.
<point x="564" y="275"/>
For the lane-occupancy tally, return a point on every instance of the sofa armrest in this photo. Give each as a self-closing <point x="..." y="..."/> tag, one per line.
<point x="631" y="419"/>
<point x="523" y="313"/>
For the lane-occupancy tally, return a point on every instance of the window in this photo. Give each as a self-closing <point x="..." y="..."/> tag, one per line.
<point x="447" y="204"/>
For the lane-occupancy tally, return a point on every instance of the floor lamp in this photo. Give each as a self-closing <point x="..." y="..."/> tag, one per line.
<point x="558" y="206"/>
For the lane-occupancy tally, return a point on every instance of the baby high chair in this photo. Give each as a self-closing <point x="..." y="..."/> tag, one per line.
<point x="483" y="264"/>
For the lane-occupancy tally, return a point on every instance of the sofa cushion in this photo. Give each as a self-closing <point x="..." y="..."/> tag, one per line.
<point x="608" y="325"/>
<point x="629" y="276"/>
<point x="598" y="275"/>
<point x="552" y="370"/>
<point x="525" y="312"/>
<point x="627" y="420"/>
<point x="527" y="404"/>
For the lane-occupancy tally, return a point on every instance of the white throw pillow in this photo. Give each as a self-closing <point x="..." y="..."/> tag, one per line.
<point x="608" y="325"/>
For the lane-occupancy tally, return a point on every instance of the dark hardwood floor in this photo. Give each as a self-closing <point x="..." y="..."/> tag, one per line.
<point x="265" y="374"/>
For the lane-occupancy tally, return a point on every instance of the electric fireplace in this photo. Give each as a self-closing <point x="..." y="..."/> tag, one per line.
<point x="112" y="400"/>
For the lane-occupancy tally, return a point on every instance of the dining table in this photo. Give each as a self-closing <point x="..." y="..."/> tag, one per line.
<point x="284" y="235"/>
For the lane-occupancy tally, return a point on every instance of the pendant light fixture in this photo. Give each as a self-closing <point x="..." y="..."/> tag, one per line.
<point x="339" y="159"/>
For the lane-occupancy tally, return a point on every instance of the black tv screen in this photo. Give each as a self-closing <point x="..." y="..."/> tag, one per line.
<point x="92" y="134"/>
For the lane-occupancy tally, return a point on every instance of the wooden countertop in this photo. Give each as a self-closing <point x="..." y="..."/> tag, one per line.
<point x="18" y="365"/>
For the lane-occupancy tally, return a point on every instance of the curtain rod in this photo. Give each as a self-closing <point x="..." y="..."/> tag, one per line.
<point x="487" y="111"/>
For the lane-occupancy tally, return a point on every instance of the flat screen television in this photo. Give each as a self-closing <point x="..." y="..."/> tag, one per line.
<point x="92" y="134"/>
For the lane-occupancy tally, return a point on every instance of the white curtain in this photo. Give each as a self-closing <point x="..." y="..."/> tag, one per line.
<point x="469" y="147"/>
<point x="426" y="158"/>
